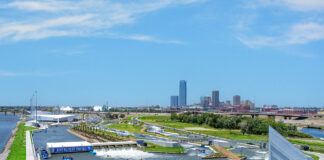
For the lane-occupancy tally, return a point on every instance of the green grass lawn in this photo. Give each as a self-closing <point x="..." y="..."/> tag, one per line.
<point x="231" y="134"/>
<point x="156" y="148"/>
<point x="223" y="133"/>
<point x="308" y="143"/>
<point x="313" y="156"/>
<point x="166" y="121"/>
<point x="18" y="148"/>
<point x="126" y="127"/>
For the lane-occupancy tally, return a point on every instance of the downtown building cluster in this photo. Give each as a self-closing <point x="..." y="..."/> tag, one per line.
<point x="209" y="103"/>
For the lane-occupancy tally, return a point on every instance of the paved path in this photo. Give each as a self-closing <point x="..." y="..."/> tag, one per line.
<point x="29" y="147"/>
<point x="320" y="155"/>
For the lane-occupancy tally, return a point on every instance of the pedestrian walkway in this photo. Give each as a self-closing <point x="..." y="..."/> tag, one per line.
<point x="227" y="153"/>
<point x="29" y="147"/>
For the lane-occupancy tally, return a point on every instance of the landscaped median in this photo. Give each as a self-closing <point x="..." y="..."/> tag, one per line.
<point x="18" y="148"/>
<point x="161" y="149"/>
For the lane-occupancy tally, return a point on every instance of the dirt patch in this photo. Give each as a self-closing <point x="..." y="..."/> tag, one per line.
<point x="143" y="129"/>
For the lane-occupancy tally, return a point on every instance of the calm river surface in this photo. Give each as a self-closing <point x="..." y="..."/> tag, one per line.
<point x="318" y="133"/>
<point x="7" y="124"/>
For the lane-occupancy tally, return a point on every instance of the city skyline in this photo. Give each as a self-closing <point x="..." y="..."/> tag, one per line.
<point x="80" y="53"/>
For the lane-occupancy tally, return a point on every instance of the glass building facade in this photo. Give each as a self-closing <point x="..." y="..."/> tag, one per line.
<point x="281" y="149"/>
<point x="183" y="93"/>
<point x="174" y="101"/>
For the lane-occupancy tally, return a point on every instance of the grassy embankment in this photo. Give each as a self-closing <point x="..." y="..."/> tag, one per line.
<point x="18" y="148"/>
<point x="314" y="146"/>
<point x="223" y="133"/>
<point x="313" y="156"/>
<point x="126" y="127"/>
<point x="156" y="148"/>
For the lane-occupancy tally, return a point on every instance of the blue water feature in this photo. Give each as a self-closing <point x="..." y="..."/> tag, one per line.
<point x="7" y="124"/>
<point x="53" y="134"/>
<point x="318" y="133"/>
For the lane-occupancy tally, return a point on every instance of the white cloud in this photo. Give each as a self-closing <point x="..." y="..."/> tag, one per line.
<point x="304" y="33"/>
<point x="52" y="18"/>
<point x="46" y="5"/>
<point x="305" y="5"/>
<point x="297" y="34"/>
<point x="4" y="73"/>
<point x="150" y="38"/>
<point x="298" y="5"/>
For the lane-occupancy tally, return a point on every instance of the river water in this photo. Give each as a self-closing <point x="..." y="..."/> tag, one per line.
<point x="7" y="124"/>
<point x="318" y="133"/>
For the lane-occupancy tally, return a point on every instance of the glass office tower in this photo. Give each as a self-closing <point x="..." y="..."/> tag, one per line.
<point x="174" y="101"/>
<point x="183" y="93"/>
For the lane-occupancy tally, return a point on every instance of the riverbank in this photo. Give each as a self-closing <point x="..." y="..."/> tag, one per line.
<point x="6" y="150"/>
<point x="18" y="147"/>
<point x="83" y="136"/>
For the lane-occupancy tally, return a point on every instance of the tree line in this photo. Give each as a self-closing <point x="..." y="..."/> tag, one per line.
<point x="245" y="124"/>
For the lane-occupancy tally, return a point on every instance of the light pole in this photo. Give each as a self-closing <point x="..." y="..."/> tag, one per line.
<point x="36" y="104"/>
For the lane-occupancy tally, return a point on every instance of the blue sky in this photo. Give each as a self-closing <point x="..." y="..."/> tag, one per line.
<point x="134" y="53"/>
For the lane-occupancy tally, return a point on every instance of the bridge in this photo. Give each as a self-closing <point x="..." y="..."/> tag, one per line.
<point x="269" y="115"/>
<point x="272" y="115"/>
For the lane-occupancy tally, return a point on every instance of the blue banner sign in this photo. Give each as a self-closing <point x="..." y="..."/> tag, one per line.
<point x="72" y="149"/>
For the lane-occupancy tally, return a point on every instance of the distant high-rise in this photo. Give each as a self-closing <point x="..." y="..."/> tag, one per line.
<point x="228" y="103"/>
<point x="183" y="93"/>
<point x="236" y="100"/>
<point x="204" y="101"/>
<point x="215" y="98"/>
<point x="174" y="101"/>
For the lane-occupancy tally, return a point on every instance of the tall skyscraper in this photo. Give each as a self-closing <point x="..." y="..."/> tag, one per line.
<point x="174" y="101"/>
<point x="183" y="93"/>
<point x="215" y="98"/>
<point x="236" y="100"/>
